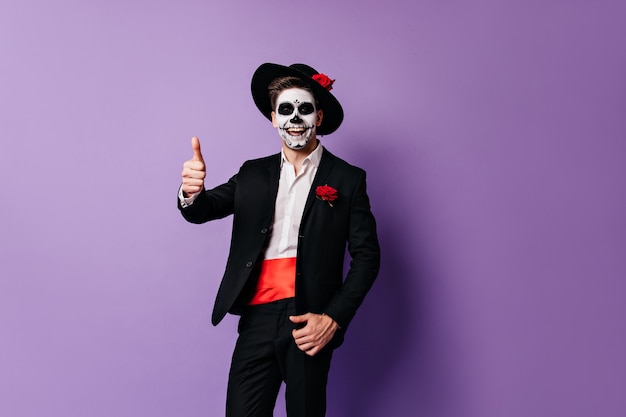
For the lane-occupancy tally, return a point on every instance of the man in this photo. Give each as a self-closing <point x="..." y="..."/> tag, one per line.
<point x="293" y="215"/>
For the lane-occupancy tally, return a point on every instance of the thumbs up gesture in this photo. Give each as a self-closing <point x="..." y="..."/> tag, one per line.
<point x="194" y="170"/>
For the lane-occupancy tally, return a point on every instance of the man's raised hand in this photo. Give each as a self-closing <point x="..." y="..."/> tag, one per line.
<point x="194" y="170"/>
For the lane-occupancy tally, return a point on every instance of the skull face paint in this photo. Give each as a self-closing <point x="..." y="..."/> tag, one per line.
<point x="295" y="117"/>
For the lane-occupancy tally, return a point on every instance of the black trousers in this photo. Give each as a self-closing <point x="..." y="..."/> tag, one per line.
<point x="264" y="356"/>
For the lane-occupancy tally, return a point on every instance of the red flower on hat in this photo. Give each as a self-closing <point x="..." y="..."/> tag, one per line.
<point x="324" y="81"/>
<point x="326" y="193"/>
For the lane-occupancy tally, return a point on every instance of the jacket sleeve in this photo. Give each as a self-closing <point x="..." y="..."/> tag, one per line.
<point x="211" y="204"/>
<point x="364" y="250"/>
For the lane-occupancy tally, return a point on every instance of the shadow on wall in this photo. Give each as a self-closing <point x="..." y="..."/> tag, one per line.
<point x="377" y="341"/>
<point x="393" y="354"/>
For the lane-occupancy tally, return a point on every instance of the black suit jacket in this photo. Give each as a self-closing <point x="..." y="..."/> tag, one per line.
<point x="324" y="233"/>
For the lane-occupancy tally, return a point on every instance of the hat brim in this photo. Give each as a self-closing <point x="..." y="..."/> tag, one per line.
<point x="268" y="72"/>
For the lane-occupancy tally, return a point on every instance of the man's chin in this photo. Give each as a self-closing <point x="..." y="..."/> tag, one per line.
<point x="295" y="144"/>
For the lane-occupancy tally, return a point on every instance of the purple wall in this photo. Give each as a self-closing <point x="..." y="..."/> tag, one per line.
<point x="494" y="136"/>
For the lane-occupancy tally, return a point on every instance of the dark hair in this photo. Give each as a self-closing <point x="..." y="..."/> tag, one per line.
<point x="282" y="83"/>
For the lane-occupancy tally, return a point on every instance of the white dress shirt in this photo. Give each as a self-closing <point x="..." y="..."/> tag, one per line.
<point x="293" y="191"/>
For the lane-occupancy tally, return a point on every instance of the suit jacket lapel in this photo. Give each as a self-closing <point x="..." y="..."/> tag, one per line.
<point x="326" y="165"/>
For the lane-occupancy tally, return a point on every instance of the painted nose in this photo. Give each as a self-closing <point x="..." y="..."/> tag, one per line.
<point x="296" y="119"/>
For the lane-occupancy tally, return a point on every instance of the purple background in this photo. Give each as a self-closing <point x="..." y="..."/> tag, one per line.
<point x="494" y="136"/>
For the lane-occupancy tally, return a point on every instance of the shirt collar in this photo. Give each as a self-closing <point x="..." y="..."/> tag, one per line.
<point x="314" y="157"/>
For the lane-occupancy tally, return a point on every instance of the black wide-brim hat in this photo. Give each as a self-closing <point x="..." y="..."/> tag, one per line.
<point x="266" y="73"/>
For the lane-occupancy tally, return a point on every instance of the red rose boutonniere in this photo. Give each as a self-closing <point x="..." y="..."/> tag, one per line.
<point x="326" y="193"/>
<point x="324" y="81"/>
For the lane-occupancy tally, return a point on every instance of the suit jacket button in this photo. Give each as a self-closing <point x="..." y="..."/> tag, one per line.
<point x="264" y="230"/>
<point x="248" y="264"/>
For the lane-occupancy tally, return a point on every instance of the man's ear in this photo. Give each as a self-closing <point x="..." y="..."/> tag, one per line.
<point x="274" y="119"/>
<point x="320" y="116"/>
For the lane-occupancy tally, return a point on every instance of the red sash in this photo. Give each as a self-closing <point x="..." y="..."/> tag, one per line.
<point x="277" y="281"/>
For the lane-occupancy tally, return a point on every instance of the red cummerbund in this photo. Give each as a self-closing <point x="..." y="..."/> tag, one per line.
<point x="277" y="281"/>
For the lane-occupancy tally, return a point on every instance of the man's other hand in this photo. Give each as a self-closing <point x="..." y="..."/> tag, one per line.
<point x="317" y="332"/>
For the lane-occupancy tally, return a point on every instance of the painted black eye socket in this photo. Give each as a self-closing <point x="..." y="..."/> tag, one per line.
<point x="285" y="109"/>
<point x="306" y="108"/>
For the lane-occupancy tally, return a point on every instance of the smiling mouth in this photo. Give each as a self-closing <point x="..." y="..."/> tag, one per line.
<point x="296" y="131"/>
